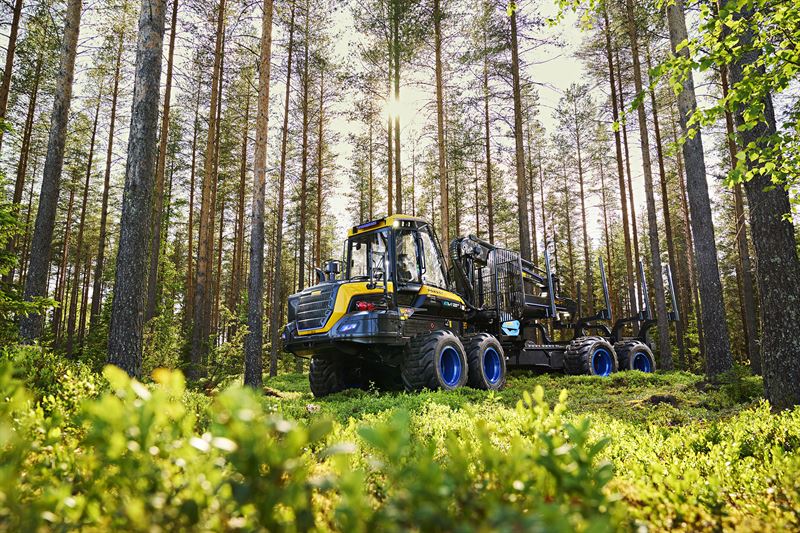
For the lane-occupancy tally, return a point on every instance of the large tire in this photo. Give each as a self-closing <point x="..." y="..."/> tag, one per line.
<point x="635" y="355"/>
<point x="487" y="362"/>
<point x="435" y="361"/>
<point x="326" y="377"/>
<point x="592" y="356"/>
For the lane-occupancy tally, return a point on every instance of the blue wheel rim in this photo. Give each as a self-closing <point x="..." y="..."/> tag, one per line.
<point x="450" y="366"/>
<point x="492" y="367"/>
<point x="642" y="363"/>
<point x="602" y="362"/>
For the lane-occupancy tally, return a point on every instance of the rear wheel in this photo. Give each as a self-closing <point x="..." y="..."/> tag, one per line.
<point x="635" y="355"/>
<point x="435" y="361"/>
<point x="487" y="363"/>
<point x="590" y="355"/>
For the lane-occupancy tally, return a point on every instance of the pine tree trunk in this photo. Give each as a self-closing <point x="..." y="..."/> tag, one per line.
<point x="398" y="183"/>
<point x="665" y="351"/>
<point x="587" y="261"/>
<point x="609" y="249"/>
<point x="5" y="86"/>
<point x="27" y="132"/>
<point x="73" y="302"/>
<point x="215" y="274"/>
<point x="745" y="268"/>
<point x="276" y="309"/>
<point x="87" y="272"/>
<point x="718" y="348"/>
<point x="127" y="308"/>
<point x="238" y="256"/>
<point x="158" y="203"/>
<point x="371" y="159"/>
<point x="531" y="199"/>
<point x="38" y="267"/>
<point x="522" y="197"/>
<point x="205" y="242"/>
<point x="61" y="276"/>
<point x="304" y="157"/>
<point x="541" y="198"/>
<point x="568" y="227"/>
<point x="777" y="264"/>
<point x="630" y="277"/>
<point x="679" y="333"/>
<point x="24" y="154"/>
<point x="488" y="145"/>
<point x="443" y="196"/>
<point x="637" y="255"/>
<point x="97" y="288"/>
<point x="189" y="310"/>
<point x="320" y="148"/>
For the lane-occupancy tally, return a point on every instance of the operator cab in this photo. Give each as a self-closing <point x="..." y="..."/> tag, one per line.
<point x="400" y="250"/>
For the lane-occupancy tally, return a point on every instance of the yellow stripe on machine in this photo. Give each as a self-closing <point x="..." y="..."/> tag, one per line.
<point x="345" y="293"/>
<point x="385" y="222"/>
<point x="429" y="290"/>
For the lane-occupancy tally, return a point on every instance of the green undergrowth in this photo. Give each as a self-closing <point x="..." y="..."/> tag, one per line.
<point x="548" y="453"/>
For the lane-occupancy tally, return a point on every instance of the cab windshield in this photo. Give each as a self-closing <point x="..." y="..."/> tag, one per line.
<point x="366" y="255"/>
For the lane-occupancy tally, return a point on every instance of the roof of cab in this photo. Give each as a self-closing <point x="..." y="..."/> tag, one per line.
<point x="381" y="223"/>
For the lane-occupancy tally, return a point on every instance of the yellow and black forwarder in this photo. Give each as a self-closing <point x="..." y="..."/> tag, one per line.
<point x="391" y="313"/>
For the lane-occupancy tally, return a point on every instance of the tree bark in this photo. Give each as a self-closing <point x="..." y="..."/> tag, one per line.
<point x="745" y="267"/>
<point x="5" y="86"/>
<point x="97" y="288"/>
<point x="587" y="261"/>
<point x="522" y="197"/>
<point x="443" y="190"/>
<point x="320" y="148"/>
<point x="202" y="287"/>
<point x="127" y="308"/>
<point x="238" y="248"/>
<point x="488" y="144"/>
<point x="27" y="132"/>
<point x="717" y="342"/>
<point x="38" y="267"/>
<point x="61" y="276"/>
<point x="24" y="153"/>
<point x="665" y="352"/>
<point x="304" y="156"/>
<point x="398" y="183"/>
<point x="777" y="264"/>
<point x="276" y="310"/>
<point x="73" y="301"/>
<point x="189" y="310"/>
<point x="158" y="203"/>
<point x="679" y="330"/>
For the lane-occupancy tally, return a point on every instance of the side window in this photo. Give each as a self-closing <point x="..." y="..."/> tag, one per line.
<point x="407" y="264"/>
<point x="433" y="269"/>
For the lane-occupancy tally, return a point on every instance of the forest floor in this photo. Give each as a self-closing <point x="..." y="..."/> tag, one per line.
<point x="550" y="452"/>
<point x="685" y="453"/>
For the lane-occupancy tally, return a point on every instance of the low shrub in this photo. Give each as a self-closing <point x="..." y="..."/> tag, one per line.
<point x="132" y="458"/>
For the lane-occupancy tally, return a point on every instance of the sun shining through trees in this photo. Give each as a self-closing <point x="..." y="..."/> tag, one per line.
<point x="603" y="188"/>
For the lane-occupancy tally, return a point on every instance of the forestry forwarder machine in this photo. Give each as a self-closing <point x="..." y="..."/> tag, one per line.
<point x="395" y="310"/>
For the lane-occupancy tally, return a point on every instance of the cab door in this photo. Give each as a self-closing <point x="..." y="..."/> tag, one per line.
<point x="408" y="270"/>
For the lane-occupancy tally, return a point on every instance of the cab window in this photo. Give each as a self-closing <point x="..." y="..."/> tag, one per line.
<point x="432" y="268"/>
<point x="407" y="264"/>
<point x="366" y="255"/>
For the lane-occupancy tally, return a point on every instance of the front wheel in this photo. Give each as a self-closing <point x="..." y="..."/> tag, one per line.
<point x="487" y="363"/>
<point x="590" y="355"/>
<point x="435" y="361"/>
<point x="635" y="355"/>
<point x="325" y="377"/>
